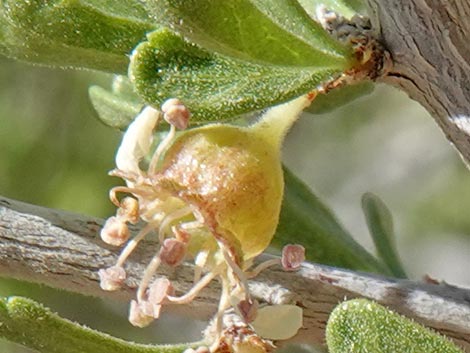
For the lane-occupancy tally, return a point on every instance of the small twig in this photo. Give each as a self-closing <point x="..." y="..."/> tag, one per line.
<point x="63" y="250"/>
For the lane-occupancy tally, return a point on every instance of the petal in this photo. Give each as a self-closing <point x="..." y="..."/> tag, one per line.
<point x="278" y="322"/>
<point x="137" y="140"/>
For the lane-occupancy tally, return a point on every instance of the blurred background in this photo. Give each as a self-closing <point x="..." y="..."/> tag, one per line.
<point x="54" y="152"/>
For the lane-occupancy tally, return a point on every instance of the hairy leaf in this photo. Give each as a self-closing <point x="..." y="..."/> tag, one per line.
<point x="119" y="106"/>
<point x="307" y="221"/>
<point x="73" y="33"/>
<point x="279" y="32"/>
<point x="360" y="326"/>
<point x="380" y="223"/>
<point x="214" y="86"/>
<point x="30" y="324"/>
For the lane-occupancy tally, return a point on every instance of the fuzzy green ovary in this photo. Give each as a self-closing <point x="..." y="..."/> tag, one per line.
<point x="235" y="181"/>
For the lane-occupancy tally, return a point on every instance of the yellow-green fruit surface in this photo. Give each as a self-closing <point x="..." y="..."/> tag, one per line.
<point x="233" y="178"/>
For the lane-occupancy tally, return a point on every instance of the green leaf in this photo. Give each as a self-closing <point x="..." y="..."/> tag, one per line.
<point x="276" y="32"/>
<point x="336" y="98"/>
<point x="213" y="86"/>
<point x="346" y="8"/>
<point x="380" y="223"/>
<point x="30" y="324"/>
<point x="117" y="107"/>
<point x="306" y="220"/>
<point x="360" y="326"/>
<point x="73" y="33"/>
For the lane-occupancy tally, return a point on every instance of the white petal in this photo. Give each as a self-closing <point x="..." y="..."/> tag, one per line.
<point x="278" y="322"/>
<point x="137" y="140"/>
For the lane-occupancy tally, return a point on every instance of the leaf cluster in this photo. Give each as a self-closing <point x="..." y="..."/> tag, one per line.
<point x="224" y="59"/>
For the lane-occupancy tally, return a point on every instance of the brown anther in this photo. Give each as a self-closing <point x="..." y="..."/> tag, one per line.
<point x="172" y="252"/>
<point x="129" y="210"/>
<point x="176" y="113"/>
<point x="142" y="313"/>
<point x="292" y="257"/>
<point x="115" y="231"/>
<point x="248" y="309"/>
<point x="159" y="290"/>
<point x="112" y="278"/>
<point x="181" y="234"/>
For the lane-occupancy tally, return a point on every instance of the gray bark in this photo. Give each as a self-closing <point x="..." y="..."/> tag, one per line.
<point x="428" y="41"/>
<point x="63" y="250"/>
<point x="429" y="44"/>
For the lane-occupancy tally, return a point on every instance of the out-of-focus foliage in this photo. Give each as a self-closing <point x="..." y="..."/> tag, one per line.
<point x="86" y="33"/>
<point x="383" y="143"/>
<point x="380" y="223"/>
<point x="117" y="106"/>
<point x="54" y="152"/>
<point x="388" y="144"/>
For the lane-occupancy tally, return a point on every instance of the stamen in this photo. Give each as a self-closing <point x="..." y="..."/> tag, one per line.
<point x="172" y="252"/>
<point x="125" y="189"/>
<point x="126" y="175"/>
<point x="112" y="278"/>
<point x="181" y="234"/>
<point x="261" y="267"/>
<point x="248" y="309"/>
<point x="148" y="274"/>
<point x="194" y="291"/>
<point x="129" y="210"/>
<point x="199" y="262"/>
<point x="181" y="231"/>
<point x="162" y="147"/>
<point x="142" y="313"/>
<point x="115" y="231"/>
<point x="292" y="257"/>
<point x="176" y="113"/>
<point x="191" y="225"/>
<point x="238" y="272"/>
<point x="224" y="303"/>
<point x="131" y="245"/>
<point x="180" y="213"/>
<point x="159" y="290"/>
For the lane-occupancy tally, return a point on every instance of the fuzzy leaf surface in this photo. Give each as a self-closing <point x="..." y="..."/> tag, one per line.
<point x="360" y="325"/>
<point x="30" y="324"/>
<point x="213" y="86"/>
<point x="279" y="33"/>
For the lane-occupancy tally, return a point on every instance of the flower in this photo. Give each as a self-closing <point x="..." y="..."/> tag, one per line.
<point x="212" y="194"/>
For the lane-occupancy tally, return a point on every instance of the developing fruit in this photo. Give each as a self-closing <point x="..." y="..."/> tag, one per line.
<point x="212" y="195"/>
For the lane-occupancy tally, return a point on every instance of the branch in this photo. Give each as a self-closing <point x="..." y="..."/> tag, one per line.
<point x="63" y="250"/>
<point x="428" y="42"/>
